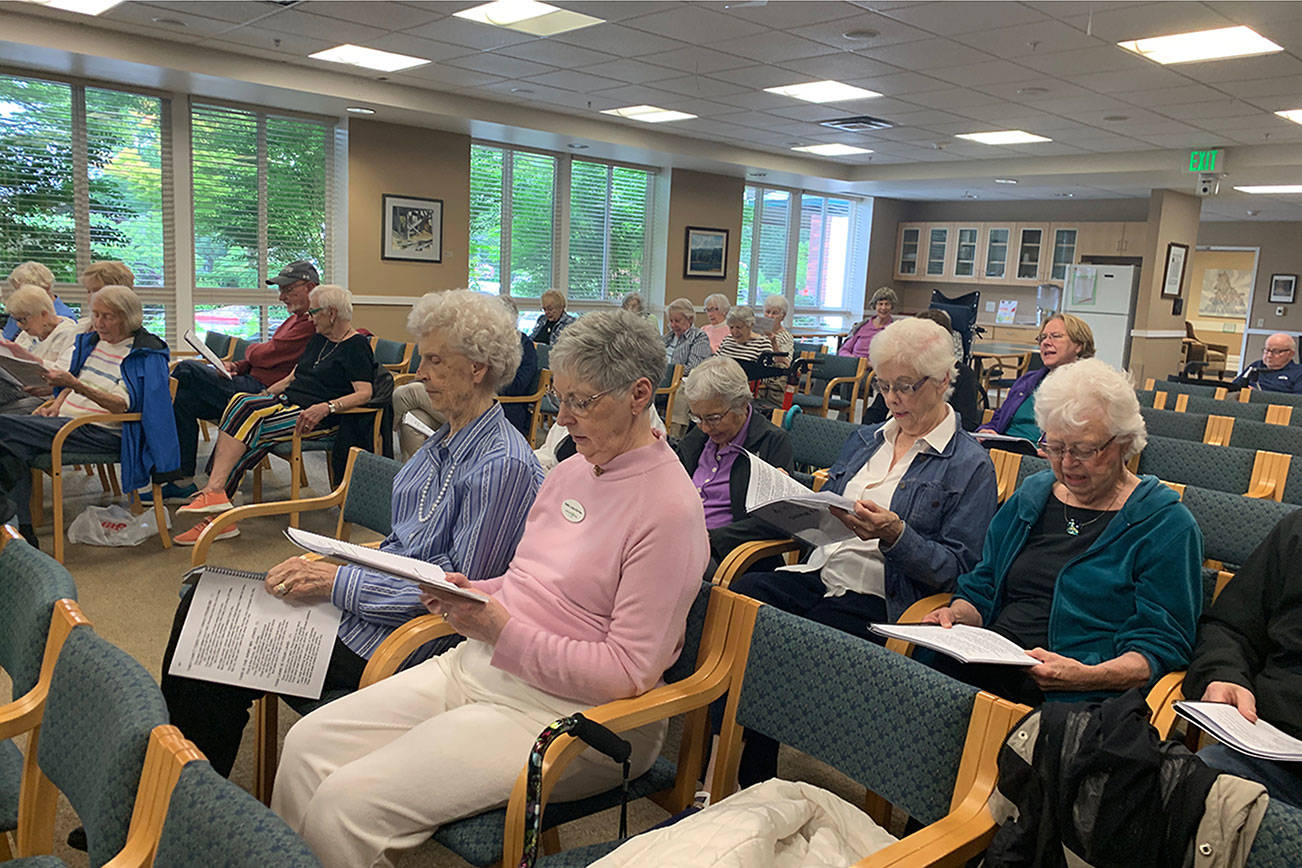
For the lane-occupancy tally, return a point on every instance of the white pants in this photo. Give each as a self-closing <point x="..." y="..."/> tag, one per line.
<point x="384" y="767"/>
<point x="412" y="398"/>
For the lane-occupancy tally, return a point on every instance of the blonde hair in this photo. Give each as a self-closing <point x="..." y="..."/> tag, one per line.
<point x="124" y="300"/>
<point x="553" y="295"/>
<point x="110" y="272"/>
<point x="33" y="273"/>
<point x="1078" y="331"/>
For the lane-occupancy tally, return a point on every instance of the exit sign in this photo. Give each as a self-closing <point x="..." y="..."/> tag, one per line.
<point x="1206" y="161"/>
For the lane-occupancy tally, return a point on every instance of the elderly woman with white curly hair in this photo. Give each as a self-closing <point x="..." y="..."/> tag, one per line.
<point x="1093" y="569"/>
<point x="591" y="609"/>
<point x="924" y="492"/>
<point x="460" y="502"/>
<point x="33" y="274"/>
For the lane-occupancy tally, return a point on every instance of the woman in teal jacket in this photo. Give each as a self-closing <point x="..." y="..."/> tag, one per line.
<point x="1096" y="571"/>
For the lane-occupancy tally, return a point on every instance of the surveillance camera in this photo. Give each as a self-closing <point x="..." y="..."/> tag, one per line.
<point x="1209" y="184"/>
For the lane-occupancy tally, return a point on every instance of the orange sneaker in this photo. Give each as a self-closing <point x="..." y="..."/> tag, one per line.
<point x="207" y="501"/>
<point x="191" y="536"/>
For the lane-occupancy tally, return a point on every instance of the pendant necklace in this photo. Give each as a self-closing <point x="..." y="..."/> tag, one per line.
<point x="1073" y="527"/>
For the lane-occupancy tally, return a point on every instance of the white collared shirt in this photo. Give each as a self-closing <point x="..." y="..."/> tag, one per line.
<point x="858" y="565"/>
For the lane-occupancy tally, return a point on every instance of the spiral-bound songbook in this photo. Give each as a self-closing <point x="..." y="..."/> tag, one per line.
<point x="237" y="633"/>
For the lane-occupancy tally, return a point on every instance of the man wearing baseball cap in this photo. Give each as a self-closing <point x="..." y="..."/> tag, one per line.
<point x="202" y="393"/>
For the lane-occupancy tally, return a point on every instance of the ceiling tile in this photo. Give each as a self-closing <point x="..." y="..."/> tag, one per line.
<point x="816" y="113"/>
<point x="902" y="84"/>
<point x="499" y="65"/>
<point x="235" y="11"/>
<point x="954" y="98"/>
<point x="390" y="16"/>
<point x="1106" y="58"/>
<point x="633" y="71"/>
<point x="1218" y="72"/>
<point x="471" y="34"/>
<point x="959" y="17"/>
<point x="417" y="47"/>
<point x="988" y="72"/>
<point x="928" y="54"/>
<point x="1290" y="85"/>
<point x="143" y="15"/>
<point x="773" y="47"/>
<point x="760" y="77"/>
<point x="577" y="81"/>
<point x="320" y="27"/>
<point x="695" y="24"/>
<point x="696" y="60"/>
<point x="617" y="11"/>
<point x="889" y="31"/>
<point x="1129" y="80"/>
<point x="841" y="67"/>
<point x="450" y="75"/>
<point x="1039" y="37"/>
<point x="1150" y="19"/>
<point x="701" y="85"/>
<point x="1197" y="112"/>
<point x="784" y="16"/>
<point x="1160" y="97"/>
<point x="556" y="53"/>
<point x="286" y="46"/>
<point x="618" y="40"/>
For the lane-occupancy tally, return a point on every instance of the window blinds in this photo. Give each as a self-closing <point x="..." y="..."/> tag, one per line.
<point x="609" y="212"/>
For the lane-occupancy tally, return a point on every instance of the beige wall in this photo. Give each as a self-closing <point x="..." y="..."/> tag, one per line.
<point x="712" y="201"/>
<point x="1172" y="217"/>
<point x="881" y="252"/>
<point x="405" y="161"/>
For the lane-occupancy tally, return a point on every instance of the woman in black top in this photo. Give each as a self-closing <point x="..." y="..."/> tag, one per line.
<point x="334" y="373"/>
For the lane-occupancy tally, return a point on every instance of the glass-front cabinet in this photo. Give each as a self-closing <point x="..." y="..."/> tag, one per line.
<point x="996" y="261"/>
<point x="1030" y="252"/>
<point x="1064" y="252"/>
<point x="906" y="259"/>
<point x="966" y="240"/>
<point x="937" y="250"/>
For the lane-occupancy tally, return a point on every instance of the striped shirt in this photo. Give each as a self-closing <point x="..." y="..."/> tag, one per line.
<point x="475" y="488"/>
<point x="747" y="352"/>
<point x="102" y="371"/>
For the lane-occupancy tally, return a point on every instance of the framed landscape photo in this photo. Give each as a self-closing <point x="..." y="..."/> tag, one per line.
<point x="412" y="230"/>
<point x="706" y="253"/>
<point x="1282" y="287"/>
<point x="1176" y="256"/>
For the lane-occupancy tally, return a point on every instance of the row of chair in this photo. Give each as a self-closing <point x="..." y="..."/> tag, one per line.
<point x="97" y="733"/>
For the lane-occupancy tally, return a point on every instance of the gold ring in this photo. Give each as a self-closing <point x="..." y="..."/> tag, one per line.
<point x="282" y="589"/>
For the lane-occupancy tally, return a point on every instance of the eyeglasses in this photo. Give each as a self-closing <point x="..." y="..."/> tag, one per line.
<point x="313" y="311"/>
<point x="901" y="388"/>
<point x="1078" y="453"/>
<point x="711" y="420"/>
<point x="1045" y="336"/>
<point x="1275" y="352"/>
<point x="578" y="406"/>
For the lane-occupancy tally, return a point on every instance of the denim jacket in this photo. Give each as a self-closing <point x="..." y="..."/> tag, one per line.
<point x="946" y="500"/>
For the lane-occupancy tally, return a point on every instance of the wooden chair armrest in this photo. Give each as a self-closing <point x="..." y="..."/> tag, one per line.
<point x="746" y="555"/>
<point x="255" y="510"/>
<point x="914" y="615"/>
<point x="24" y="712"/>
<point x="836" y="381"/>
<point x="403" y="379"/>
<point x="56" y="446"/>
<point x="820" y="478"/>
<point x="400" y="644"/>
<point x="1262" y="491"/>
<point x="521" y="399"/>
<point x="1161" y="700"/>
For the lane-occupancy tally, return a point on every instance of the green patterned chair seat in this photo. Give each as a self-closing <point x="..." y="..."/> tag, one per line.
<point x="1279" y="840"/>
<point x="46" y="461"/>
<point x="1168" y="423"/>
<point x="1223" y="468"/>
<point x="11" y="773"/>
<point x="37" y="862"/>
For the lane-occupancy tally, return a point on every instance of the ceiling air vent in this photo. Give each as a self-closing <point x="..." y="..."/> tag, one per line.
<point x="857" y="124"/>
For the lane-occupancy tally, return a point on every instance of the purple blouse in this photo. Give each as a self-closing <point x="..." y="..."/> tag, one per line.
<point x="713" y="473"/>
<point x="857" y="344"/>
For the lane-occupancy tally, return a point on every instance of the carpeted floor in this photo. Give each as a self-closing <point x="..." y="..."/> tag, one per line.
<point x="130" y="595"/>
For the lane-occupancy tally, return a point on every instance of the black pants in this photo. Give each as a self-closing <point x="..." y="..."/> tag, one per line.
<point x="22" y="438"/>
<point x="801" y="594"/>
<point x="202" y="393"/>
<point x="213" y="716"/>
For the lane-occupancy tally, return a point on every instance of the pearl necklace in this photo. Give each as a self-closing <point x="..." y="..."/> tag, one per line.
<point x="424" y="491"/>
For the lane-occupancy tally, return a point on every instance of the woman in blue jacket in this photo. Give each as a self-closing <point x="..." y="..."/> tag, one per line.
<point x="1094" y="570"/>
<point x="117" y="367"/>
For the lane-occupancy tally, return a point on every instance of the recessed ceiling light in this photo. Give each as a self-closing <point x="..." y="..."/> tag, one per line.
<point x="1199" y="45"/>
<point x="169" y="22"/>
<point x="861" y="35"/>
<point x="84" y="7"/>
<point x="648" y="114"/>
<point x="368" y="58"/>
<point x="823" y="91"/>
<point x="832" y="150"/>
<point x="1005" y="180"/>
<point x="359" y="110"/>
<point x="577" y="146"/>
<point x="1267" y="189"/>
<point x="528" y="16"/>
<point x="1064" y="195"/>
<point x="1294" y="115"/>
<point x="1116" y="117"/>
<point x="1032" y="90"/>
<point x="1003" y="137"/>
<point x="521" y="90"/>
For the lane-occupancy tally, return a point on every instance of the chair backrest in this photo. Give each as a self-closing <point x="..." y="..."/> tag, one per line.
<point x="544" y="355"/>
<point x="241" y="347"/>
<point x="1260" y="396"/>
<point x="369" y="501"/>
<point x="1223" y="468"/>
<point x="1279" y="838"/>
<point x="32" y="581"/>
<point x="1168" y="423"/>
<point x="808" y="347"/>
<point x="962" y="312"/>
<point x="816" y="442"/>
<point x="829" y="367"/>
<point x="389" y="352"/>
<point x="1030" y="464"/>
<point x="1250" y="434"/>
<point x="1177" y="387"/>
<point x="887" y="721"/>
<point x="1211" y="406"/>
<point x="686" y="663"/>
<point x="1232" y="525"/>
<point x="100" y="711"/>
<point x="211" y="821"/>
<point x="1145" y="397"/>
<point x="219" y="343"/>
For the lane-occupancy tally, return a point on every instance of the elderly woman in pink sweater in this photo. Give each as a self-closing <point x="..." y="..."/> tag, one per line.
<point x="592" y="608"/>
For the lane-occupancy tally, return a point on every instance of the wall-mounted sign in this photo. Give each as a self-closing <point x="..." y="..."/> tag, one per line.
<point x="1207" y="161"/>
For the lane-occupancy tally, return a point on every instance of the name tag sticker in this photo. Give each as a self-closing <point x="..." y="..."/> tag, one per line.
<point x="573" y="511"/>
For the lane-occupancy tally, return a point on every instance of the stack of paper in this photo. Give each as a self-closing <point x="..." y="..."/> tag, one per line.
<point x="427" y="575"/>
<point x="792" y="508"/>
<point x="1225" y="724"/>
<point x="962" y="642"/>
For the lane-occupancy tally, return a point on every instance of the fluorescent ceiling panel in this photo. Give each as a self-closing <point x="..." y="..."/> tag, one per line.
<point x="1294" y="115"/>
<point x="368" y="58"/>
<point x="1217" y="44"/>
<point x="528" y="16"/>
<point x="1267" y="189"/>
<point x="85" y="7"/>
<point x="648" y="114"/>
<point x="832" y="150"/>
<point x="1003" y="137"/>
<point x="823" y="91"/>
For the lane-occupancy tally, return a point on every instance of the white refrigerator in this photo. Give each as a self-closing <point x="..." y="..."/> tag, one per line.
<point x="1104" y="296"/>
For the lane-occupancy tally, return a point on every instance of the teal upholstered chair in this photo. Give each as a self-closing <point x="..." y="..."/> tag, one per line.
<point x="1030" y="464"/>
<point x="1172" y="387"/>
<point x="1168" y="423"/>
<point x="1145" y="397"/>
<point x="1223" y="468"/>
<point x="33" y="582"/>
<point x="1248" y="434"/>
<point x="1258" y="396"/>
<point x="394" y="355"/>
<point x="1211" y="406"/>
<point x="90" y="746"/>
<point x="835" y="383"/>
<point x="815" y="442"/>
<point x="1279" y="839"/>
<point x="1232" y="525"/>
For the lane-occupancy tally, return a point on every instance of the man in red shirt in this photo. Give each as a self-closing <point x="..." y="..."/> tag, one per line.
<point x="202" y="393"/>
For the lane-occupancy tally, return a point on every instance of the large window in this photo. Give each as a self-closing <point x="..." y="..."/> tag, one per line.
<point x="82" y="179"/>
<point x="262" y="198"/>
<point x="803" y="246"/>
<point x="528" y="234"/>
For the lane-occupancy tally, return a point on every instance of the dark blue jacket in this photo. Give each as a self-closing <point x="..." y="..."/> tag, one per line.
<point x="946" y="500"/>
<point x="149" y="447"/>
<point x="1022" y="388"/>
<point x="1286" y="379"/>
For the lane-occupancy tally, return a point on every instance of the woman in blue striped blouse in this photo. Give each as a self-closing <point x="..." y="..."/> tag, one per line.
<point x="460" y="502"/>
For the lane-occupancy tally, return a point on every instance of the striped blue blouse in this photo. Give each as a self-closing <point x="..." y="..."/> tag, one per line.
<point x="460" y="502"/>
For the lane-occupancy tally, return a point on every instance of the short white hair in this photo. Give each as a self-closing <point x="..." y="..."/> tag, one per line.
<point x="1090" y="390"/>
<point x="478" y="326"/>
<point x="31" y="273"/>
<point x="333" y="296"/>
<point x="740" y="316"/>
<point x="125" y="302"/>
<point x="683" y="306"/>
<point x="719" y="300"/>
<point x="29" y="300"/>
<point x="718" y="377"/>
<point x="778" y="301"/>
<point x="633" y="301"/>
<point x="920" y="345"/>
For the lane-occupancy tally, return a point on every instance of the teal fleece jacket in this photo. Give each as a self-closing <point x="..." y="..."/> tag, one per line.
<point x="1137" y="588"/>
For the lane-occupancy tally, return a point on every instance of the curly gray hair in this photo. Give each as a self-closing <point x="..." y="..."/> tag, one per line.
<point x="718" y="377"/>
<point x="333" y="296"/>
<point x="29" y="300"/>
<point x="610" y="349"/>
<point x="1090" y="390"/>
<point x="478" y="326"/>
<point x="33" y="273"/>
<point x="124" y="301"/>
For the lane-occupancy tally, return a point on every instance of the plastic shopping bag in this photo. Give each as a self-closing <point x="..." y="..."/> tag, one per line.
<point x="113" y="526"/>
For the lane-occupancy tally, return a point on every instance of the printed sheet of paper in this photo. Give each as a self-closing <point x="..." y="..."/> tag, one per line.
<point x="427" y="575"/>
<point x="21" y="372"/>
<point x="237" y="633"/>
<point x="791" y="507"/>
<point x="208" y="355"/>
<point x="1259" y="739"/>
<point x="962" y="642"/>
<point x="412" y="421"/>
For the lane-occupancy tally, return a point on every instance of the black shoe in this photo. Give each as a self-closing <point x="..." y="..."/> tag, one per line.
<point x="29" y="534"/>
<point x="77" y="839"/>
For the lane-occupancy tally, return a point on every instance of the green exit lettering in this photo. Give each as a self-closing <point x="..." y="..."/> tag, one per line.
<point x="1203" y="161"/>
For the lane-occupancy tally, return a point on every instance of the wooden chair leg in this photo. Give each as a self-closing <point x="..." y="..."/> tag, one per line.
<point x="56" y="474"/>
<point x="551" y="841"/>
<point x="877" y="808"/>
<point x="257" y="484"/>
<point x="296" y="482"/>
<point x="160" y="516"/>
<point x="267" y="731"/>
<point x="203" y="429"/>
<point x="103" y="478"/>
<point x="36" y="507"/>
<point x="6" y="852"/>
<point x="112" y="472"/>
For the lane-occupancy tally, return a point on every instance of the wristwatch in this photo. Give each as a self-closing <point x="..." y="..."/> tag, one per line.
<point x="331" y="405"/>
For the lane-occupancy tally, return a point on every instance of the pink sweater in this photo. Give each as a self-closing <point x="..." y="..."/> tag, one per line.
<point x="598" y="606"/>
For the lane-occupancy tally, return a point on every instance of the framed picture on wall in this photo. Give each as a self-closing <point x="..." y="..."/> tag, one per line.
<point x="705" y="254"/>
<point x="1282" y="287"/>
<point x="412" y="230"/>
<point x="1176" y="255"/>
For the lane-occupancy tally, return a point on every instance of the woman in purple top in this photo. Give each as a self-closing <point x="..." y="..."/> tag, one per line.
<point x="1064" y="339"/>
<point x="883" y="301"/>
